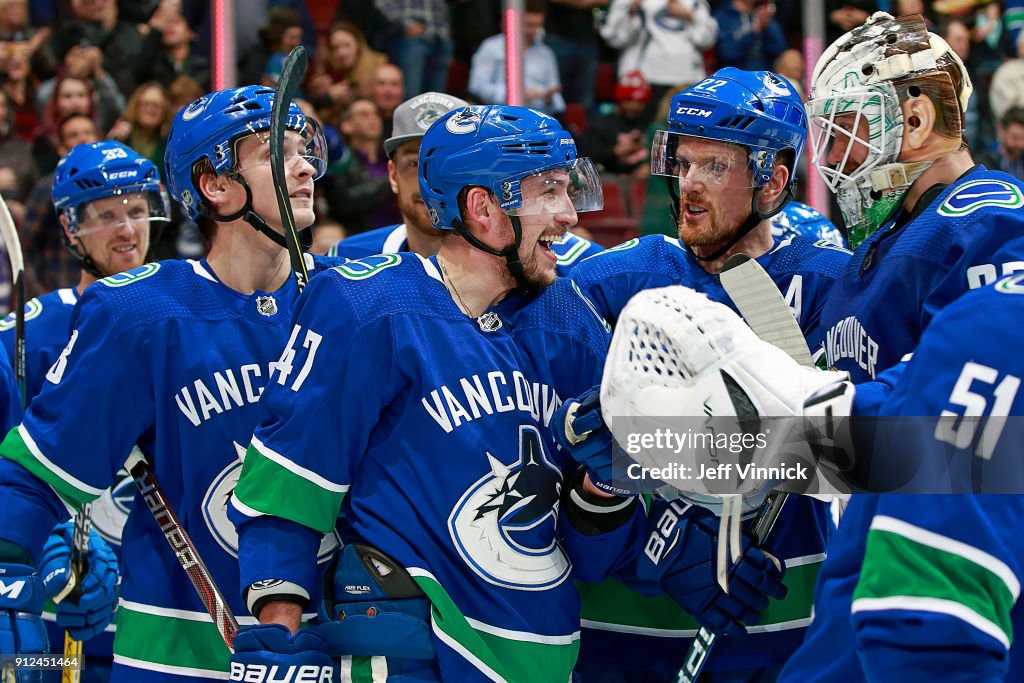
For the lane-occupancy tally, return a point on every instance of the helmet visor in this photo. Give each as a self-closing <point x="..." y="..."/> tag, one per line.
<point x="135" y="205"/>
<point x="700" y="160"/>
<point x="308" y="147"/>
<point x="574" y="188"/>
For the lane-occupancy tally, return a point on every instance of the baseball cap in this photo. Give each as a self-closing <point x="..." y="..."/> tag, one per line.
<point x="632" y="86"/>
<point x="412" y="117"/>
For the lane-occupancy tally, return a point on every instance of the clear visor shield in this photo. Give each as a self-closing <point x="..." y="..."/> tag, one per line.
<point x="700" y="160"/>
<point x="853" y="133"/>
<point x="135" y="206"/>
<point x="567" y="189"/>
<point x="300" y="149"/>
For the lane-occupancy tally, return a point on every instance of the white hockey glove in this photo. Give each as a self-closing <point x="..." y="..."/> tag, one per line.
<point x="723" y="399"/>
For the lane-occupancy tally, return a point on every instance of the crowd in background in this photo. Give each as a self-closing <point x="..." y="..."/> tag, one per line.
<point x="84" y="70"/>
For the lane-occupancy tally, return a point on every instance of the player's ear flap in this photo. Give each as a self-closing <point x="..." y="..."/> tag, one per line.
<point x="919" y="114"/>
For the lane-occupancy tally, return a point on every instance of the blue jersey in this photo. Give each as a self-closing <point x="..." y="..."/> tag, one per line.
<point x="167" y="357"/>
<point x="392" y="239"/>
<point x="930" y="591"/>
<point x="965" y="236"/>
<point x="430" y="431"/>
<point x="46" y="334"/>
<point x="627" y="630"/>
<point x="800" y="219"/>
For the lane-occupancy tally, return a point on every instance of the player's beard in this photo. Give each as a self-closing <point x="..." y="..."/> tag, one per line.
<point x="714" y="228"/>
<point x="414" y="211"/>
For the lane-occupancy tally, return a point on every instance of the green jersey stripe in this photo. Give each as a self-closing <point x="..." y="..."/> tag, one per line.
<point x="309" y="475"/>
<point x="500" y="654"/>
<point x="949" y="545"/>
<point x="20" y="447"/>
<point x="903" y="573"/>
<point x="159" y="641"/>
<point x="267" y="487"/>
<point x="364" y="669"/>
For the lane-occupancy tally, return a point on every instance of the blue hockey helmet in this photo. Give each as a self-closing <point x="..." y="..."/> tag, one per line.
<point x="498" y="147"/>
<point x="756" y="109"/>
<point x="96" y="170"/>
<point x="209" y="127"/>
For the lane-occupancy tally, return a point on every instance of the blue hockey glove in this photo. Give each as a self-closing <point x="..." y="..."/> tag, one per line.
<point x="580" y="431"/>
<point x="21" y="604"/>
<point x="269" y="652"/>
<point x="95" y="607"/>
<point x="679" y="558"/>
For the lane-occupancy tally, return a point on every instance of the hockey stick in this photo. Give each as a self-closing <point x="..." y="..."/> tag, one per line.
<point x="767" y="313"/>
<point x="292" y="71"/>
<point x="79" y="568"/>
<point x="183" y="547"/>
<point x="9" y="234"/>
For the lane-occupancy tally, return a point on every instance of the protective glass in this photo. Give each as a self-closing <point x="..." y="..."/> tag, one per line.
<point x="700" y="160"/>
<point x="563" y="189"/>
<point x="309" y="146"/>
<point x="137" y="205"/>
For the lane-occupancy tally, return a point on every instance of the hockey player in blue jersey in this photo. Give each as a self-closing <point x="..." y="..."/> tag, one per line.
<point x="887" y="102"/>
<point x="729" y="153"/>
<point x="425" y="419"/>
<point x="107" y="198"/>
<point x="172" y="357"/>
<point x="412" y="118"/>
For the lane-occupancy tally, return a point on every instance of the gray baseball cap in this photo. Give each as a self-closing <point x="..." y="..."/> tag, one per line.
<point x="414" y="116"/>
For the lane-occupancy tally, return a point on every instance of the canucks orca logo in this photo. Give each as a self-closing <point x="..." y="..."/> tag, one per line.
<point x="978" y="194"/>
<point x="504" y="525"/>
<point x="215" y="511"/>
<point x="466" y="121"/>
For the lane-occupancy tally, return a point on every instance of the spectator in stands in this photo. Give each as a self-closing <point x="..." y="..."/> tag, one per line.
<point x="542" y="88"/>
<point x="96" y="22"/>
<point x="360" y="197"/>
<point x="387" y="90"/>
<point x="17" y="172"/>
<point x="281" y="22"/>
<point x="70" y="95"/>
<point x="343" y="71"/>
<point x="280" y="45"/>
<point x="664" y="39"/>
<point x="1007" y="90"/>
<point x="846" y="15"/>
<point x="617" y="141"/>
<point x="978" y="124"/>
<point x="177" y="55"/>
<point x="1007" y="152"/>
<point x="20" y="86"/>
<point x="422" y="43"/>
<point x="143" y="125"/>
<point x="790" y="65"/>
<point x="750" y="38"/>
<point x="86" y="64"/>
<point x="572" y="36"/>
<point x="48" y="265"/>
<point x="16" y="28"/>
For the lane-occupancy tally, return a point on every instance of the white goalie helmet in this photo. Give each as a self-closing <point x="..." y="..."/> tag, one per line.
<point x="857" y="89"/>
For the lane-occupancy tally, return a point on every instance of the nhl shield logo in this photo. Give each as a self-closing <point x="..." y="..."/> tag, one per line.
<point x="489" y="322"/>
<point x="266" y="305"/>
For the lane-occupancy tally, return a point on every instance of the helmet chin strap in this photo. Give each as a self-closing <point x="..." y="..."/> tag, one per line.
<point x="752" y="220"/>
<point x="510" y="252"/>
<point x="247" y="214"/>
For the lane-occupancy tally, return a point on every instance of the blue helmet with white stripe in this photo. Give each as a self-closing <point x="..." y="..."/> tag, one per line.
<point x="759" y="110"/>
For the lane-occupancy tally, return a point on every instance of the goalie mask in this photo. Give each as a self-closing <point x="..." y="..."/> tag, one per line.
<point x="858" y="129"/>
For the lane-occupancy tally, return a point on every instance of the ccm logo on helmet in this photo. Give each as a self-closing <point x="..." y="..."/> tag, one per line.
<point x="121" y="175"/>
<point x="694" y="111"/>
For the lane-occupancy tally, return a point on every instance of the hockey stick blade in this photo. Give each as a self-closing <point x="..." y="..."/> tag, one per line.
<point x="292" y="72"/>
<point x="182" y="546"/>
<point x="762" y="306"/>
<point x="9" y="234"/>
